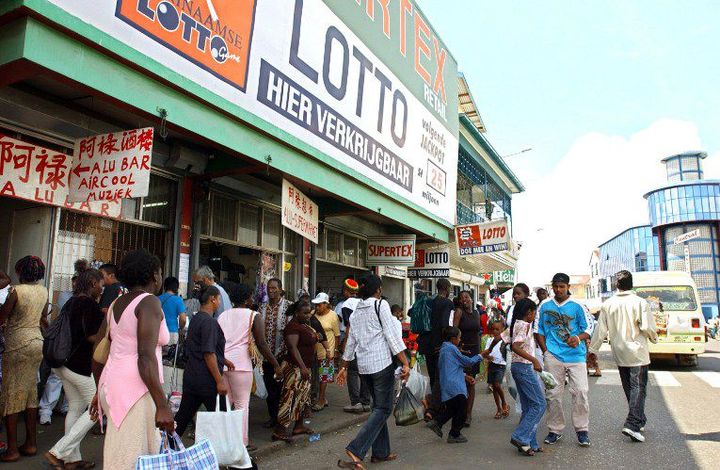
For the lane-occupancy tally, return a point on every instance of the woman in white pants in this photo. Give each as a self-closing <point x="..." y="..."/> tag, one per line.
<point x="85" y="320"/>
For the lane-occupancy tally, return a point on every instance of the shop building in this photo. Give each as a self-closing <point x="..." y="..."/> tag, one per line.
<point x="326" y="96"/>
<point x="687" y="204"/>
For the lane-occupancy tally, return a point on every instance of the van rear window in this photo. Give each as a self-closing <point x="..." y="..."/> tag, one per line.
<point x="669" y="297"/>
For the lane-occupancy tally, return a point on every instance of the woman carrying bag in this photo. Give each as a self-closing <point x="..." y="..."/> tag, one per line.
<point x="245" y="347"/>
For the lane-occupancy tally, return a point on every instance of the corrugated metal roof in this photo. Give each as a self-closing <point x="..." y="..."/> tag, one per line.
<point x="466" y="104"/>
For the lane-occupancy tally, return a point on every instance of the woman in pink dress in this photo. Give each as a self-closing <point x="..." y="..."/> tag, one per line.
<point x="130" y="387"/>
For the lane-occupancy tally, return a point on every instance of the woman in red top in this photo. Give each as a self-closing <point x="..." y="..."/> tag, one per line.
<point x="300" y="339"/>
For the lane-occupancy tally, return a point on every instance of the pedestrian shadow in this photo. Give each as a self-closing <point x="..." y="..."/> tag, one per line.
<point x="705" y="436"/>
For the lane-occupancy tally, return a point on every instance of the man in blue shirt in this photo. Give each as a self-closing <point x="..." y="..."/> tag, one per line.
<point x="174" y="308"/>
<point x="562" y="332"/>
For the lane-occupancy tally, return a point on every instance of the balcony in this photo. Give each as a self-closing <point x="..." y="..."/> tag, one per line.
<point x="466" y="215"/>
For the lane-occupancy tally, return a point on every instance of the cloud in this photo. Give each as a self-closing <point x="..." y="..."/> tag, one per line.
<point x="593" y="193"/>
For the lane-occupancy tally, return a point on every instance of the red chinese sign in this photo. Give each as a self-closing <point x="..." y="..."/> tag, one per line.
<point x="299" y="213"/>
<point x="112" y="166"/>
<point x="38" y="174"/>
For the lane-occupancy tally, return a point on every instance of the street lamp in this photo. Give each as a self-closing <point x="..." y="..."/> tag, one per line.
<point x="518" y="153"/>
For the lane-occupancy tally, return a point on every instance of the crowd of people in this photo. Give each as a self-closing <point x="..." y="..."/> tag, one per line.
<point x="119" y="321"/>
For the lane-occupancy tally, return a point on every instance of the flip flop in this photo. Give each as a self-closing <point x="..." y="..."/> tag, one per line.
<point x="307" y="431"/>
<point x="595" y="374"/>
<point x="276" y="437"/>
<point x="353" y="465"/>
<point x="499" y="415"/>
<point x="389" y="458"/>
<point x="83" y="464"/>
<point x="526" y="450"/>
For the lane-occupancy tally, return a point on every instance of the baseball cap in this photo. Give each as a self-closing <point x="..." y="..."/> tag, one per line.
<point x="561" y="278"/>
<point x="321" y="298"/>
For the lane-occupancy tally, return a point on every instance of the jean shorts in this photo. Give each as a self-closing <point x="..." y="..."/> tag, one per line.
<point x="496" y="372"/>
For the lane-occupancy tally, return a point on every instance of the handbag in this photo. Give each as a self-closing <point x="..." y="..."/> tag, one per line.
<point x="408" y="410"/>
<point x="200" y="456"/>
<point x="102" y="350"/>
<point x="258" y="386"/>
<point x="224" y="430"/>
<point x="255" y="357"/>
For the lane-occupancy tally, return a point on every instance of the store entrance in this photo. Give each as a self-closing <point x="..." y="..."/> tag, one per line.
<point x="330" y="278"/>
<point x="230" y="262"/>
<point x="27" y="231"/>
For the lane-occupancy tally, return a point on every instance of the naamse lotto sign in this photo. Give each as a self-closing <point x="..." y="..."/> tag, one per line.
<point x="478" y="239"/>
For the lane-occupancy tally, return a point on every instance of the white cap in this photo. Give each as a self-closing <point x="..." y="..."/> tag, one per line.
<point x="321" y="298"/>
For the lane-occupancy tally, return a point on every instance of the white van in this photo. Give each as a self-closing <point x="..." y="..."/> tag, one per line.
<point x="675" y="304"/>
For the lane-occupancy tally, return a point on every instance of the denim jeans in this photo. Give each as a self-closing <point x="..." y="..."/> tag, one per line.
<point x="634" y="381"/>
<point x="374" y="432"/>
<point x="532" y="399"/>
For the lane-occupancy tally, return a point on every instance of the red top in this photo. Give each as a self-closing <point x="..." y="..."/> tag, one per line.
<point x="409" y="338"/>
<point x="306" y="342"/>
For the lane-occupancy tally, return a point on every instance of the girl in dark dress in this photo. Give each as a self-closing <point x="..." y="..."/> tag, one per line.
<point x="467" y="319"/>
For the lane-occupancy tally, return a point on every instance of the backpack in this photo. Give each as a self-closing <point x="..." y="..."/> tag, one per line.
<point x="420" y="318"/>
<point x="57" y="347"/>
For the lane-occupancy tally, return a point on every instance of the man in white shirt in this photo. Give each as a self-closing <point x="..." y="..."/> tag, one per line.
<point x="627" y="320"/>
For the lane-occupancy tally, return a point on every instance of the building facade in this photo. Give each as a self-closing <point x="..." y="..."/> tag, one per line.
<point x="686" y="204"/>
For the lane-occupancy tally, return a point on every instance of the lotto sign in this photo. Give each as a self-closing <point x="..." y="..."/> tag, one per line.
<point x="391" y="250"/>
<point x="41" y="175"/>
<point x="299" y="213"/>
<point x="112" y="166"/>
<point x="368" y="86"/>
<point x="431" y="263"/>
<point x="479" y="239"/>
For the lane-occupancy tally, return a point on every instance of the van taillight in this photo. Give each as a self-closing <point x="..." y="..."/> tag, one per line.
<point x="695" y="323"/>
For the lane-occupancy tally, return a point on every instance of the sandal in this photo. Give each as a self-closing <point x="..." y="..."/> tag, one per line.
<point x="317" y="408"/>
<point x="505" y="410"/>
<point x="527" y="450"/>
<point x="84" y="464"/>
<point x="53" y="461"/>
<point x="499" y="415"/>
<point x="428" y="416"/>
<point x="276" y="437"/>
<point x="596" y="374"/>
<point x="302" y="431"/>
<point x="389" y="458"/>
<point x="355" y="462"/>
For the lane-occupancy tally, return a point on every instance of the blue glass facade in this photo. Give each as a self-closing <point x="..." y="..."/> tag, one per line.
<point x="684" y="202"/>
<point x="636" y="249"/>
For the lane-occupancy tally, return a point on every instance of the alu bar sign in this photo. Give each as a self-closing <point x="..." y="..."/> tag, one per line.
<point x="482" y="238"/>
<point x="391" y="250"/>
<point x="299" y="212"/>
<point x="687" y="236"/>
<point x="431" y="263"/>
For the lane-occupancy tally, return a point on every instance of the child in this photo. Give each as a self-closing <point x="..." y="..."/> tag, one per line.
<point x="452" y="365"/>
<point x="496" y="369"/>
<point x="520" y="336"/>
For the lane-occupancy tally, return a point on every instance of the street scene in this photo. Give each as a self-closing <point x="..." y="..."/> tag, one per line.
<point x="359" y="234"/>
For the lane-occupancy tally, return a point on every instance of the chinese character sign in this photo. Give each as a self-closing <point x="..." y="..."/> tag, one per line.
<point x="299" y="213"/>
<point x="478" y="239"/>
<point x="41" y="175"/>
<point x="112" y="166"/>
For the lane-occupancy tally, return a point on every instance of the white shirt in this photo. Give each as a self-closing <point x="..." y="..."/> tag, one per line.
<point x="338" y="312"/>
<point x="370" y="342"/>
<point x="496" y="355"/>
<point x="627" y="320"/>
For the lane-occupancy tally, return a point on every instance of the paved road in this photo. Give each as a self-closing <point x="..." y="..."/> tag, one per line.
<point x="683" y="431"/>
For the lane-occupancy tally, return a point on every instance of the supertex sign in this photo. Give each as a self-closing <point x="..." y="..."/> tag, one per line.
<point x="367" y="82"/>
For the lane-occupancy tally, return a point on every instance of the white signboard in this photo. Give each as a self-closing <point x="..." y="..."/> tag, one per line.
<point x="391" y="250"/>
<point x="687" y="259"/>
<point x="297" y="65"/>
<point x="478" y="239"/>
<point x="680" y="239"/>
<point x="431" y="263"/>
<point x="112" y="166"/>
<point x="398" y="272"/>
<point x="299" y="213"/>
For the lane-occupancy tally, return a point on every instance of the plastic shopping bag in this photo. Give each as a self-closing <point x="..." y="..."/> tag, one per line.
<point x="258" y="386"/>
<point x="548" y="380"/>
<point x="512" y="389"/>
<point x="224" y="430"/>
<point x="417" y="383"/>
<point x="200" y="456"/>
<point x="408" y="410"/>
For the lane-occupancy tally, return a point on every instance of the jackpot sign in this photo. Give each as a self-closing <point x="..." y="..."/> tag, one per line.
<point x="431" y="263"/>
<point x="367" y="83"/>
<point x="482" y="238"/>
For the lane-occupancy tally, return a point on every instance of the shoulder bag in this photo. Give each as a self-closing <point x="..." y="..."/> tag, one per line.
<point x="255" y="356"/>
<point x="102" y="350"/>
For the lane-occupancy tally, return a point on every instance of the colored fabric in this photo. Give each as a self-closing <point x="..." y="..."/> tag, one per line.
<point x="200" y="456"/>
<point x="496" y="355"/>
<point x="634" y="382"/>
<point x="523" y="335"/>
<point x="204" y="336"/>
<point x="19" y="385"/>
<point x="626" y="319"/>
<point x="225" y="303"/>
<point x="470" y="329"/>
<point x="496" y="372"/>
<point x="120" y="380"/>
<point x="307" y="338"/>
<point x="326" y="371"/>
<point x="532" y="401"/>
<point x="110" y="293"/>
<point x="331" y="326"/>
<point x="374" y="433"/>
<point x="85" y="320"/>
<point x="23" y="323"/>
<point x="275" y="318"/>
<point x="358" y="390"/>
<point x="454" y="409"/>
<point x="295" y="396"/>
<point x="452" y="371"/>
<point x="558" y="322"/>
<point x="439" y="319"/>
<point x="373" y="338"/>
<point x="274" y="391"/>
<point x="172" y="306"/>
<point x="79" y="390"/>
<point x="578" y="386"/>
<point x="240" y="384"/>
<point x="237" y="329"/>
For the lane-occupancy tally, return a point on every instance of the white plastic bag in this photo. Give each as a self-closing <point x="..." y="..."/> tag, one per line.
<point x="259" y="389"/>
<point x="224" y="430"/>
<point x="548" y="380"/>
<point x="417" y="383"/>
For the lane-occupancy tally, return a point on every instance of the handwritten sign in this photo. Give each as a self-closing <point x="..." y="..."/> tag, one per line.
<point x="112" y="166"/>
<point x="38" y="174"/>
<point x="478" y="239"/>
<point x="391" y="250"/>
<point x="299" y="213"/>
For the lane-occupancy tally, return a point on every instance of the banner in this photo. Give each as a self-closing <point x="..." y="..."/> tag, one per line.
<point x="299" y="213"/>
<point x="431" y="263"/>
<point x="482" y="238"/>
<point x="112" y="166"/>
<point x="34" y="173"/>
<point x="505" y="277"/>
<point x="368" y="84"/>
<point x="391" y="250"/>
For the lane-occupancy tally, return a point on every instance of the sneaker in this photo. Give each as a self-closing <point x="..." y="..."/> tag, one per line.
<point x="457" y="440"/>
<point x="552" y="438"/>
<point x="357" y="408"/>
<point x="366" y="408"/>
<point x="642" y="428"/>
<point x="433" y="426"/>
<point x="634" y="435"/>
<point x="583" y="438"/>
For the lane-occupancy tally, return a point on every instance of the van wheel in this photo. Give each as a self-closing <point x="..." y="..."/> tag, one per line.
<point x="687" y="360"/>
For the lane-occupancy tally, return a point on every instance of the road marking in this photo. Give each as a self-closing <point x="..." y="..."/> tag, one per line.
<point x="663" y="379"/>
<point x="709" y="377"/>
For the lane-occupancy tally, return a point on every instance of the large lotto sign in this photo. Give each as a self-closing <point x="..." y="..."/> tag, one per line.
<point x="482" y="238"/>
<point x="367" y="83"/>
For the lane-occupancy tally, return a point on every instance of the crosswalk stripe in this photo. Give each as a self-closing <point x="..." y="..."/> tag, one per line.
<point x="663" y="379"/>
<point x="709" y="377"/>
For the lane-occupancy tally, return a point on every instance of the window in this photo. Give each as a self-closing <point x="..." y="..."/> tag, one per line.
<point x="333" y="246"/>
<point x="669" y="297"/>
<point x="343" y="249"/>
<point x="248" y="223"/>
<point x="350" y="250"/>
<point x="224" y="217"/>
<point x="272" y="229"/>
<point x="157" y="207"/>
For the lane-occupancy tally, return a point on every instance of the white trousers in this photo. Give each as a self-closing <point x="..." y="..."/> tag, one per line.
<point x="50" y="396"/>
<point x="79" y="391"/>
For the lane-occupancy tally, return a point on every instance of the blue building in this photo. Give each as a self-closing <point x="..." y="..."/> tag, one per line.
<point x="685" y="204"/>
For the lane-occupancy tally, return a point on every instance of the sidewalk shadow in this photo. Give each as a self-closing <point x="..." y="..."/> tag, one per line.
<point x="705" y="436"/>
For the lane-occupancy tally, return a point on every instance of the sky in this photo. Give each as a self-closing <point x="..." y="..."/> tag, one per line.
<point x="601" y="91"/>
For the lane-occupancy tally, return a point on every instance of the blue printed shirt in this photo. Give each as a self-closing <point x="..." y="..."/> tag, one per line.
<point x="557" y="323"/>
<point x="452" y="370"/>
